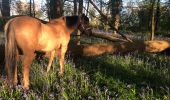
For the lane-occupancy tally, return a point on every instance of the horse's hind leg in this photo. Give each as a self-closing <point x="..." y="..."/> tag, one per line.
<point x="27" y="62"/>
<point x="52" y="55"/>
<point x="15" y="78"/>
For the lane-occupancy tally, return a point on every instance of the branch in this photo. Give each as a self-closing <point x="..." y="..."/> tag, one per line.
<point x="101" y="13"/>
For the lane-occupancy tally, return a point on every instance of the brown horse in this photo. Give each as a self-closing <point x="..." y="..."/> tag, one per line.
<point x="26" y="35"/>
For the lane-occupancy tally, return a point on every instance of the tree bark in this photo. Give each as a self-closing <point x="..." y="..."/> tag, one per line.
<point x="116" y="5"/>
<point x="56" y="8"/>
<point x="33" y="7"/>
<point x="75" y="7"/>
<point x="157" y="16"/>
<point x="5" y="11"/>
<point x="80" y="11"/>
<point x="153" y="27"/>
<point x="30" y="8"/>
<point x="152" y="21"/>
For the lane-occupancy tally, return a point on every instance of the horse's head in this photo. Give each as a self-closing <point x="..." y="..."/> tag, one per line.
<point x="77" y="22"/>
<point x="84" y="24"/>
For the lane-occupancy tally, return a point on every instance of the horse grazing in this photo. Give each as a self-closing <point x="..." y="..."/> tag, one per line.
<point x="25" y="35"/>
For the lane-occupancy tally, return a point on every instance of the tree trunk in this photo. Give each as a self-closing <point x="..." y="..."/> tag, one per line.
<point x="115" y="10"/>
<point x="78" y="37"/>
<point x="157" y="16"/>
<point x="4" y="13"/>
<point x="153" y="27"/>
<point x="80" y="12"/>
<point x="152" y="21"/>
<point x="33" y="6"/>
<point x="80" y="7"/>
<point x="48" y="9"/>
<point x="75" y="7"/>
<point x="56" y="8"/>
<point x="5" y="10"/>
<point x="30" y="8"/>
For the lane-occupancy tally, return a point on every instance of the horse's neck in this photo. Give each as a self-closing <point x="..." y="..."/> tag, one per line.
<point x="62" y="21"/>
<point x="57" y="23"/>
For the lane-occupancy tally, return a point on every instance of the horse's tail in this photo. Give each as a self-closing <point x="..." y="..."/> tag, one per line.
<point x="10" y="50"/>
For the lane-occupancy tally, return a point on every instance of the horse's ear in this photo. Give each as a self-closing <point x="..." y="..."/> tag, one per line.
<point x="64" y="18"/>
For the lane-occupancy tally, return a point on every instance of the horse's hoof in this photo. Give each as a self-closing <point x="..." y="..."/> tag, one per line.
<point x="26" y="88"/>
<point x="15" y="83"/>
<point x="47" y="71"/>
<point x="61" y="73"/>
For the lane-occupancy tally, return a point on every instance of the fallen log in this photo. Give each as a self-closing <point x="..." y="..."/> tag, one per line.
<point x="98" y="49"/>
<point x="107" y="37"/>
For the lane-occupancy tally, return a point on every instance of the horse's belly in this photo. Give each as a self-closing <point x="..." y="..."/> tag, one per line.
<point x="47" y="46"/>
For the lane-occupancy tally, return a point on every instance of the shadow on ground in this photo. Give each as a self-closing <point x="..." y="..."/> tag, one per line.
<point x="136" y="74"/>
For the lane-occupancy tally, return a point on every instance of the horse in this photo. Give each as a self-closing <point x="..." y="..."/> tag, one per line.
<point x="25" y="35"/>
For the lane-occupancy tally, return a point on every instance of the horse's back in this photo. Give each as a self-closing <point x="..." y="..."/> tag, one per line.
<point x="27" y="30"/>
<point x="54" y="35"/>
<point x="26" y="21"/>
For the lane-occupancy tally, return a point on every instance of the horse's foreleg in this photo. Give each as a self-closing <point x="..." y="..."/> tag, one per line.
<point x="27" y="62"/>
<point x="61" y="58"/>
<point x="52" y="55"/>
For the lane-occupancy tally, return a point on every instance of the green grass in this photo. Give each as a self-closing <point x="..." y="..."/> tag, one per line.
<point x="133" y="76"/>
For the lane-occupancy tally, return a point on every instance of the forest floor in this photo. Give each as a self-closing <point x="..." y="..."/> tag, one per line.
<point x="132" y="76"/>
